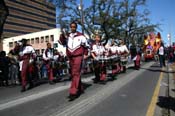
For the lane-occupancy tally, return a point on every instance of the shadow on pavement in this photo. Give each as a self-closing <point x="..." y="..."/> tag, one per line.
<point x="158" y="70"/>
<point x="173" y="90"/>
<point x="86" y="85"/>
<point x="154" y="66"/>
<point x="166" y="102"/>
<point x="131" y="67"/>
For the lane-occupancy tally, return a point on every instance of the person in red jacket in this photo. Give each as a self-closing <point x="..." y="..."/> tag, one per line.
<point x="48" y="57"/>
<point x="77" y="50"/>
<point x="26" y="56"/>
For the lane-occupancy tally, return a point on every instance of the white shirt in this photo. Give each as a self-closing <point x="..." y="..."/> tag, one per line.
<point x="98" y="49"/>
<point x="49" y="54"/>
<point x="123" y="49"/>
<point x="113" y="49"/>
<point x="75" y="41"/>
<point x="161" y="50"/>
<point x="27" y="50"/>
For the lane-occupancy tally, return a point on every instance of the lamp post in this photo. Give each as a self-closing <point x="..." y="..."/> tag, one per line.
<point x="80" y="8"/>
<point x="169" y="39"/>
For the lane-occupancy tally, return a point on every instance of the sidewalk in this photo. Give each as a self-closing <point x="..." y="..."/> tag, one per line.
<point x="172" y="89"/>
<point x="166" y="100"/>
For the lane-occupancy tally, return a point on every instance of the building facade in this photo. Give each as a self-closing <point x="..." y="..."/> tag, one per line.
<point x="38" y="40"/>
<point x="27" y="16"/>
<point x="3" y="15"/>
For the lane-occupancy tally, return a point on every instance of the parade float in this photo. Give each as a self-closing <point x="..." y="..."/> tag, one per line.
<point x="152" y="43"/>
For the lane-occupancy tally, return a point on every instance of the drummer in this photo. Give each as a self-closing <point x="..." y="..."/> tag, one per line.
<point x="97" y="52"/>
<point x="124" y="52"/>
<point x="113" y="53"/>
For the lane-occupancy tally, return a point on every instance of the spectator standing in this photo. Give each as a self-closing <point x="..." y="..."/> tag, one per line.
<point x="161" y="53"/>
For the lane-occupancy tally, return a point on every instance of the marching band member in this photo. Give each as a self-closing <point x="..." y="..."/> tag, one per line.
<point x="138" y="57"/>
<point x="113" y="52"/>
<point x="48" y="57"/>
<point x="124" y="52"/>
<point x="55" y="63"/>
<point x="97" y="51"/>
<point x="26" y="56"/>
<point x="76" y="44"/>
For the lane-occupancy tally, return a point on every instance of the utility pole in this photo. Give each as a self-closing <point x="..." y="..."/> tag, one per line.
<point x="169" y="38"/>
<point x="82" y="15"/>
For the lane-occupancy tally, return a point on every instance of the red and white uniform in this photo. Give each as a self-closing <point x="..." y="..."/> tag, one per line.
<point x="76" y="47"/>
<point x="123" y="51"/>
<point x="113" y="52"/>
<point x="48" y="56"/>
<point x="26" y="56"/>
<point x="98" y="50"/>
<point x="100" y="70"/>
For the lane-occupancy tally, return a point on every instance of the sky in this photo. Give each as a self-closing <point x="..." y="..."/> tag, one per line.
<point x="161" y="11"/>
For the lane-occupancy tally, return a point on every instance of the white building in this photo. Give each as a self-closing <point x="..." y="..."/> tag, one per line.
<point x="37" y="39"/>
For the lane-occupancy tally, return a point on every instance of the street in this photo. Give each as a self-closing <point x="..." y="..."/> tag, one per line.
<point x="129" y="95"/>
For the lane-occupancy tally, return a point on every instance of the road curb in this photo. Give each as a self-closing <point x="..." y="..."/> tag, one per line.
<point x="166" y="98"/>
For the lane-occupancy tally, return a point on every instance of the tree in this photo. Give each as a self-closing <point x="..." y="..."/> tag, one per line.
<point x="135" y="24"/>
<point x="114" y="19"/>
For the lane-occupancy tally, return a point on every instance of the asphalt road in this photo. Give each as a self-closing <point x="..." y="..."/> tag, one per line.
<point x="129" y="95"/>
<point x="132" y="99"/>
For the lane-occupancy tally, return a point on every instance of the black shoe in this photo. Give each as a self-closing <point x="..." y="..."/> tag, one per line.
<point x="95" y="81"/>
<point x="30" y="87"/>
<point x="80" y="92"/>
<point x="102" y="82"/>
<point x="51" y="82"/>
<point x="72" y="97"/>
<point x="114" y="78"/>
<point x="137" y="68"/>
<point x="23" y="89"/>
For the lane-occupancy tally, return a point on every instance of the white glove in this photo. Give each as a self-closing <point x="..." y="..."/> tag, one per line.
<point x="31" y="60"/>
<point x="96" y="58"/>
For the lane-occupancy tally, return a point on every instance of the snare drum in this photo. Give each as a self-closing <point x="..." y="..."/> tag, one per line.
<point x="123" y="61"/>
<point x="115" y="59"/>
<point x="102" y="60"/>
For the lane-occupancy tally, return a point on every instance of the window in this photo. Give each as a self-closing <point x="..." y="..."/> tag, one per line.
<point x="42" y="39"/>
<point x="15" y="42"/>
<point x="52" y="38"/>
<point x="10" y="44"/>
<point x="32" y="41"/>
<point x="37" y="52"/>
<point x="28" y="41"/>
<point x="47" y="38"/>
<point x="55" y="45"/>
<point x="42" y="51"/>
<point x="37" y="40"/>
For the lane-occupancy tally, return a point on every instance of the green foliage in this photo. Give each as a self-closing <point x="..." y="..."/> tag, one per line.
<point x="114" y="19"/>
